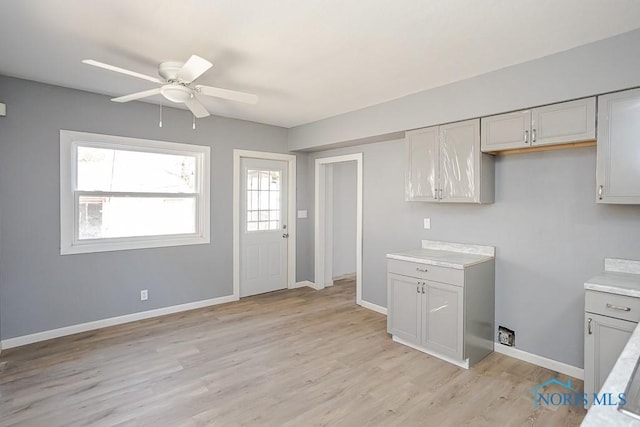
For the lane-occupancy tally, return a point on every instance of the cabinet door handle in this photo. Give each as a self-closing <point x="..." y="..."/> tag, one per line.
<point x="423" y="286"/>
<point x="526" y="136"/>
<point x="533" y="135"/>
<point x="441" y="194"/>
<point x="421" y="270"/>
<point x="600" y="191"/>
<point x="618" y="307"/>
<point x="589" y="320"/>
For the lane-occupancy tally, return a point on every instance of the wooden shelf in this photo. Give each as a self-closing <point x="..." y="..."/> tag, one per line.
<point x="591" y="143"/>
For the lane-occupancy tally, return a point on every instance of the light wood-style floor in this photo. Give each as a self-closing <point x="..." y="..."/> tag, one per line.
<point x="289" y="358"/>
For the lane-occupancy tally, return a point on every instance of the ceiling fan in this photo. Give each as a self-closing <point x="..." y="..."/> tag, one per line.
<point x="177" y="84"/>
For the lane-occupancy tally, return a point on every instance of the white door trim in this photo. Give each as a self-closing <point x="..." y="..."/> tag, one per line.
<point x="291" y="213"/>
<point x="319" y="223"/>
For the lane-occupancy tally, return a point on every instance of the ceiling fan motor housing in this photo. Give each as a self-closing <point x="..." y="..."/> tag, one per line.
<point x="169" y="70"/>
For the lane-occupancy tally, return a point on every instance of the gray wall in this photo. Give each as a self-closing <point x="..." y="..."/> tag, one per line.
<point x="549" y="233"/>
<point x="604" y="66"/>
<point x="42" y="290"/>
<point x="344" y="218"/>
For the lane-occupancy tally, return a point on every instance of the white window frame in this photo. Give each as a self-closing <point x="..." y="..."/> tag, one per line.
<point x="69" y="242"/>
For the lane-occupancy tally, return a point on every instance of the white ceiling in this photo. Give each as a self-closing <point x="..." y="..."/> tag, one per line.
<point x="306" y="60"/>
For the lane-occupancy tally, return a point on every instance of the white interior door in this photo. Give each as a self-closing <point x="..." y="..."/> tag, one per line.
<point x="263" y="226"/>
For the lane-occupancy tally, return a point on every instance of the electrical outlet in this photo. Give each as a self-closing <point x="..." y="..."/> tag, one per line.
<point x="506" y="336"/>
<point x="427" y="223"/>
<point x="144" y="295"/>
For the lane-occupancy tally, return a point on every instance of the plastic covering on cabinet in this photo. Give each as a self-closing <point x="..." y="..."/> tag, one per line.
<point x="457" y="163"/>
<point x="421" y="180"/>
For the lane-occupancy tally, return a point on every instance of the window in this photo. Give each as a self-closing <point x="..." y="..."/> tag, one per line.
<point x="124" y="193"/>
<point x="263" y="200"/>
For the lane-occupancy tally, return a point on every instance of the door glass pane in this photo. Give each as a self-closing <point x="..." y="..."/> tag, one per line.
<point x="263" y="200"/>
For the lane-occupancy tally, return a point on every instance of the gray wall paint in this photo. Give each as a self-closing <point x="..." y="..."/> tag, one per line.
<point x="42" y="290"/>
<point x="605" y="66"/>
<point x="549" y="233"/>
<point x="344" y="218"/>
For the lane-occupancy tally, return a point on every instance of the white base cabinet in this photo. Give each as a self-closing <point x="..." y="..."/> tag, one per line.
<point x="610" y="320"/>
<point x="445" y="312"/>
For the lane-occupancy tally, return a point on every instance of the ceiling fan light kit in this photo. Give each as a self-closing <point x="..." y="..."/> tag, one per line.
<point x="176" y="84"/>
<point x="176" y="92"/>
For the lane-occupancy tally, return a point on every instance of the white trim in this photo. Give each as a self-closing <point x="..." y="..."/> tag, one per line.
<point x="112" y="321"/>
<point x="375" y="307"/>
<point x="554" y="365"/>
<point x="464" y="365"/>
<point x="69" y="242"/>
<point x="345" y="276"/>
<point x="319" y="245"/>
<point x="291" y="213"/>
<point x="304" y="283"/>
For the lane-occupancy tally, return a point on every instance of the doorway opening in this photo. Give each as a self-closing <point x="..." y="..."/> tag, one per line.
<point x="325" y="209"/>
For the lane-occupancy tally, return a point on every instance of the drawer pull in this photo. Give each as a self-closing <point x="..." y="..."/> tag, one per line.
<point x="618" y="307"/>
<point x="421" y="270"/>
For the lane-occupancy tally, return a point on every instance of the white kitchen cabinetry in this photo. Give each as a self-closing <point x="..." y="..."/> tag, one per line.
<point x="572" y="121"/>
<point x="445" y="165"/>
<point x="441" y="302"/>
<point x="612" y="312"/>
<point x="618" y="152"/>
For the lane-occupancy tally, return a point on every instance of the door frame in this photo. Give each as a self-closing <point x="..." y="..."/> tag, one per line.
<point x="320" y="248"/>
<point x="291" y="213"/>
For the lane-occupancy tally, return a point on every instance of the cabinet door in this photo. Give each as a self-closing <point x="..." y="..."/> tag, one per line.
<point x="460" y="161"/>
<point x="506" y="131"/>
<point x="571" y="121"/>
<point x="604" y="339"/>
<point x="404" y="315"/>
<point x="442" y="329"/>
<point x="618" y="152"/>
<point x="422" y="169"/>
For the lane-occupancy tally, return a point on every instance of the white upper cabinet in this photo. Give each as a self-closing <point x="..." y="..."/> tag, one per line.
<point x="422" y="173"/>
<point x="506" y="131"/>
<point x="445" y="165"/>
<point x="618" y="152"/>
<point x="562" y="123"/>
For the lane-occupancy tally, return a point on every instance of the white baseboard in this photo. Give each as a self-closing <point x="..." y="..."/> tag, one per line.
<point x="554" y="365"/>
<point x="345" y="276"/>
<point x="303" y="284"/>
<point x="103" y="323"/>
<point x="374" y="307"/>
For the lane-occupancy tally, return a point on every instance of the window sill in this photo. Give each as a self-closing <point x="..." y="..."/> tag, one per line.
<point x="123" y="245"/>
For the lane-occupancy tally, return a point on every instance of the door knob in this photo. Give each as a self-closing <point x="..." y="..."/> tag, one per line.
<point x="285" y="236"/>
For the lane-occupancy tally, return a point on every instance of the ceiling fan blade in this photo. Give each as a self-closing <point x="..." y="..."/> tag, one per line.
<point x="197" y="108"/>
<point x="121" y="70"/>
<point x="137" y="95"/>
<point x="193" y="68"/>
<point x="227" y="94"/>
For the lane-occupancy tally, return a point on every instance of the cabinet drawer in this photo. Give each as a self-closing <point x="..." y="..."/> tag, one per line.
<point x="618" y="306"/>
<point x="426" y="272"/>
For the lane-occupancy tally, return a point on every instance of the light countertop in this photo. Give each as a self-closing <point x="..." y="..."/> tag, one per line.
<point x="620" y="276"/>
<point x="445" y="254"/>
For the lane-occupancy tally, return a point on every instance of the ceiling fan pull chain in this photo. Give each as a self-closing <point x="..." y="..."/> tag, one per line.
<point x="160" y="124"/>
